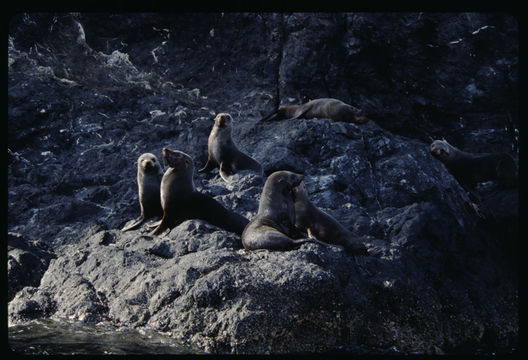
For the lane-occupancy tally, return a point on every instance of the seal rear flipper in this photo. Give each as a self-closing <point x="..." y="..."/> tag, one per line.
<point x="135" y="224"/>
<point x="357" y="249"/>
<point x="312" y="240"/>
<point x="204" y="207"/>
<point x="272" y="116"/>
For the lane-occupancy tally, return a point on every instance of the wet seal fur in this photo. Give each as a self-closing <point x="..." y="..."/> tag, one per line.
<point x="223" y="153"/>
<point x="320" y="108"/>
<point x="273" y="227"/>
<point x="180" y="200"/>
<point x="322" y="226"/>
<point x="148" y="180"/>
<point x="470" y="168"/>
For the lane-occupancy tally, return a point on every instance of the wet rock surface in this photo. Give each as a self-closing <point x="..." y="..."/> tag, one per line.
<point x="88" y="94"/>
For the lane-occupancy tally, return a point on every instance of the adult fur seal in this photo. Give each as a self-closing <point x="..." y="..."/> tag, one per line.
<point x="222" y="151"/>
<point x="180" y="200"/>
<point x="273" y="227"/>
<point x="320" y="108"/>
<point x="322" y="226"/>
<point x="148" y="180"/>
<point x="470" y="169"/>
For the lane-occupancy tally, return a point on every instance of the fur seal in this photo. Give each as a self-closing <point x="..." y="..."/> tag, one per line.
<point x="222" y="151"/>
<point x="320" y="108"/>
<point x="148" y="180"/>
<point x="470" y="168"/>
<point x="180" y="200"/>
<point x="321" y="225"/>
<point x="273" y="227"/>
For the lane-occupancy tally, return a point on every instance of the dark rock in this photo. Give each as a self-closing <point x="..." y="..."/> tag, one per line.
<point x="26" y="262"/>
<point x="88" y="93"/>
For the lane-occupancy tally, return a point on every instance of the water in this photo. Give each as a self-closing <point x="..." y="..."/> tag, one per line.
<point x="47" y="337"/>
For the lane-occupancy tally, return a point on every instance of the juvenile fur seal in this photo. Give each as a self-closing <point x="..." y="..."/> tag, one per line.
<point x="148" y="180"/>
<point x="273" y="227"/>
<point x="470" y="169"/>
<point x="322" y="226"/>
<point x="320" y="108"/>
<point x="222" y="151"/>
<point x="180" y="200"/>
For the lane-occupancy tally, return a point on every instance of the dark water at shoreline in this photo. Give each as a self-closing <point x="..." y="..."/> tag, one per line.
<point x="50" y="337"/>
<point x="47" y="337"/>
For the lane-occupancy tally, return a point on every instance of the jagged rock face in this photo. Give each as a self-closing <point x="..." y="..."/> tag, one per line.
<point x="87" y="94"/>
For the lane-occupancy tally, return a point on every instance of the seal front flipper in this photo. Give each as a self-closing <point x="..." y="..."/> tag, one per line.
<point x="154" y="224"/>
<point x="224" y="175"/>
<point x="226" y="171"/>
<point x="209" y="165"/>
<point x="158" y="230"/>
<point x="164" y="225"/>
<point x="135" y="224"/>
<point x="301" y="111"/>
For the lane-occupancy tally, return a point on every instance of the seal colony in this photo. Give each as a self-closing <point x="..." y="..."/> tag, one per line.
<point x="286" y="218"/>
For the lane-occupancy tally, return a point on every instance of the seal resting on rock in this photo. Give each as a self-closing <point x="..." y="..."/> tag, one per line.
<point x="320" y="108"/>
<point x="223" y="153"/>
<point x="273" y="227"/>
<point x="470" y="169"/>
<point x="322" y="226"/>
<point x="148" y="180"/>
<point x="180" y="200"/>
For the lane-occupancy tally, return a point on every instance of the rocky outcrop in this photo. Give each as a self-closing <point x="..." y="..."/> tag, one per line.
<point x="26" y="262"/>
<point x="87" y="98"/>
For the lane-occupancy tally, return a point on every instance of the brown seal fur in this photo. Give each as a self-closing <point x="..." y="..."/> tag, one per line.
<point x="180" y="200"/>
<point x="148" y="180"/>
<point x="223" y="153"/>
<point x="470" y="169"/>
<point x="273" y="227"/>
<point x="320" y="108"/>
<point x="322" y="226"/>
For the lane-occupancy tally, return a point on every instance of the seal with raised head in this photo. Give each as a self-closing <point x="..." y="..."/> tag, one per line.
<point x="223" y="152"/>
<point x="273" y="227"/>
<point x="320" y="108"/>
<point x="471" y="168"/>
<point x="320" y="225"/>
<point x="180" y="200"/>
<point x="148" y="180"/>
